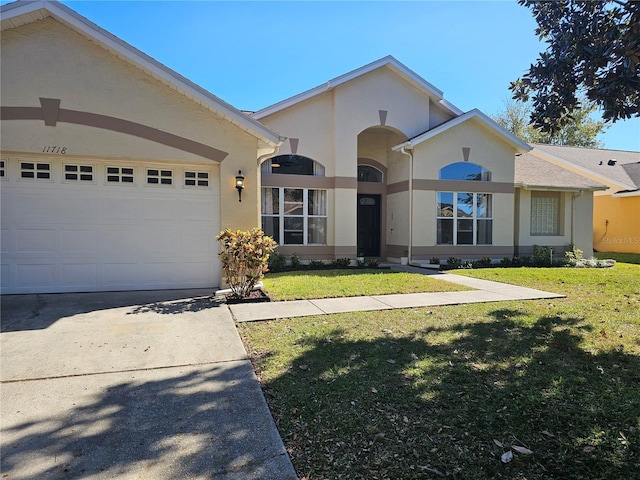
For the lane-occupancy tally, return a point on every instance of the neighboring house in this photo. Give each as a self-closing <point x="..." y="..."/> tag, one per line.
<point x="616" y="211"/>
<point x="117" y="173"/>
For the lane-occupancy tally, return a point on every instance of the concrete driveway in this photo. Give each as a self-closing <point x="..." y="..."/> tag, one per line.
<point x="131" y="385"/>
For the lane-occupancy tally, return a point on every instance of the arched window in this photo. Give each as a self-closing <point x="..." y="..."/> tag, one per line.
<point x="465" y="171"/>
<point x="292" y="165"/>
<point x="367" y="173"/>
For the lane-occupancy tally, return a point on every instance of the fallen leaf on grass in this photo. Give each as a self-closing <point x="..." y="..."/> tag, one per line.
<point x="498" y="443"/>
<point x="386" y="330"/>
<point x="378" y="437"/>
<point x="414" y="356"/>
<point x="303" y="367"/>
<point x="548" y="433"/>
<point x="373" y="390"/>
<point x="506" y="457"/>
<point x="522" y="450"/>
<point x="588" y="449"/>
<point x="391" y="361"/>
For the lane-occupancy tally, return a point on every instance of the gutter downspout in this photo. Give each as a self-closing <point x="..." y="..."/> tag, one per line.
<point x="403" y="150"/>
<point x="573" y="199"/>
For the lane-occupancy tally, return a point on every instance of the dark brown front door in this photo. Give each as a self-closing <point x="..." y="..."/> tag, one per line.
<point x="368" y="225"/>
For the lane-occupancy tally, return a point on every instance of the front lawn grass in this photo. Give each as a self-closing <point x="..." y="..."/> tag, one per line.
<point x="303" y="285"/>
<point x="619" y="257"/>
<point x="444" y="392"/>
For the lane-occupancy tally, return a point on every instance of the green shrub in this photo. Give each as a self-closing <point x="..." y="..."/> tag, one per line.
<point x="506" y="262"/>
<point x="542" y="256"/>
<point x="294" y="261"/>
<point x="244" y="256"/>
<point x="314" y="264"/>
<point x="573" y="255"/>
<point x="277" y="262"/>
<point x="453" y="262"/>
<point x="434" y="261"/>
<point x="342" y="262"/>
<point x="373" y="263"/>
<point x="484" y="262"/>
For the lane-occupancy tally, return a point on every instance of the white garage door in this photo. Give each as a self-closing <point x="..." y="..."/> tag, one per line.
<point x="94" y="225"/>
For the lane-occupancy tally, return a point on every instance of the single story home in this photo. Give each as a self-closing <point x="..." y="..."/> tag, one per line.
<point x="616" y="211"/>
<point x="117" y="172"/>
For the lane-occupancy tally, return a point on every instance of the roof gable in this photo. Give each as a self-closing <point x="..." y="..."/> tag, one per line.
<point x="22" y="12"/>
<point x="388" y="62"/>
<point x="474" y="115"/>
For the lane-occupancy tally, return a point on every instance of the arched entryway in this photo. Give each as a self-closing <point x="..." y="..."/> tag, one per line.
<point x="375" y="159"/>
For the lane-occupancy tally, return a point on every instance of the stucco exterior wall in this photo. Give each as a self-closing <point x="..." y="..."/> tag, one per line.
<point x="616" y="224"/>
<point x="45" y="59"/>
<point x="575" y="224"/>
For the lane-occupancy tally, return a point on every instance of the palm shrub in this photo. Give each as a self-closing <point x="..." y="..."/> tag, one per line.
<point x="244" y="256"/>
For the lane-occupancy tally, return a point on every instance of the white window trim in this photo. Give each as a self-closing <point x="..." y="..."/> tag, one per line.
<point x="78" y="181"/>
<point x="474" y="217"/>
<point x="305" y="216"/>
<point x="35" y="170"/>
<point x="120" y="175"/>
<point x="172" y="177"/>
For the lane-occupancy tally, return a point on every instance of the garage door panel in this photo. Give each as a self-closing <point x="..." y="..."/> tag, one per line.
<point x="125" y="208"/>
<point x="7" y="243"/>
<point x="35" y="240"/>
<point x="161" y="208"/>
<point x="80" y="275"/>
<point x="29" y="276"/>
<point x="118" y="242"/>
<point x="198" y="209"/>
<point x="60" y="236"/>
<point x="158" y="274"/>
<point x="78" y="241"/>
<point x="197" y="273"/>
<point x="124" y="275"/>
<point x="200" y="240"/>
<point x="163" y="238"/>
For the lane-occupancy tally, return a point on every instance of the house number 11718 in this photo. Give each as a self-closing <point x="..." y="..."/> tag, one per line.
<point x="54" y="149"/>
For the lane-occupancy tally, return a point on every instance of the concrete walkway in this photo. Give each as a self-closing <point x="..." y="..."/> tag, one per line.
<point x="484" y="291"/>
<point x="131" y="385"/>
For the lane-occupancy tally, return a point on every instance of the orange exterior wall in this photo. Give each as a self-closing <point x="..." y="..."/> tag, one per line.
<point x="616" y="224"/>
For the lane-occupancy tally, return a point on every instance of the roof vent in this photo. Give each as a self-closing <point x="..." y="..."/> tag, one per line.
<point x="611" y="162"/>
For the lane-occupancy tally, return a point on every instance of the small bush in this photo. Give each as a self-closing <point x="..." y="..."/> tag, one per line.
<point x="294" y="261"/>
<point x="484" y="262"/>
<point x="277" y="262"/>
<point x="342" y="262"/>
<point x="434" y="261"/>
<point x="244" y="256"/>
<point x="373" y="263"/>
<point x="453" y="262"/>
<point x="542" y="256"/>
<point x="573" y="255"/>
<point x="315" y="264"/>
<point x="361" y="263"/>
<point x="506" y="262"/>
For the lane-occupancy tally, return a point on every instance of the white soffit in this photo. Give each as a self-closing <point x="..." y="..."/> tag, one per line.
<point x="475" y="114"/>
<point x="22" y="12"/>
<point x="388" y="61"/>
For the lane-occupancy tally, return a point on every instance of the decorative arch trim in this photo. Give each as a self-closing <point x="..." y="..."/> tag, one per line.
<point x="50" y="113"/>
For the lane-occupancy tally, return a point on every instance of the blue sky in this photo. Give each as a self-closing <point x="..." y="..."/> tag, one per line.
<point x="254" y="54"/>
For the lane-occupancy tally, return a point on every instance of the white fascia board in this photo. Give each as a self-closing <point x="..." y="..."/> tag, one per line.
<point x="388" y="61"/>
<point x="109" y="41"/>
<point x="519" y="145"/>
<point x="560" y="161"/>
<point x="631" y="193"/>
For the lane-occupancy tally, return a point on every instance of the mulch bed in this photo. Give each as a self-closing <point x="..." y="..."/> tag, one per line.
<point x="256" y="296"/>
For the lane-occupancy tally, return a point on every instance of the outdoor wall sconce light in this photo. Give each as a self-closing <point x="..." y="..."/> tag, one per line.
<point x="240" y="184"/>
